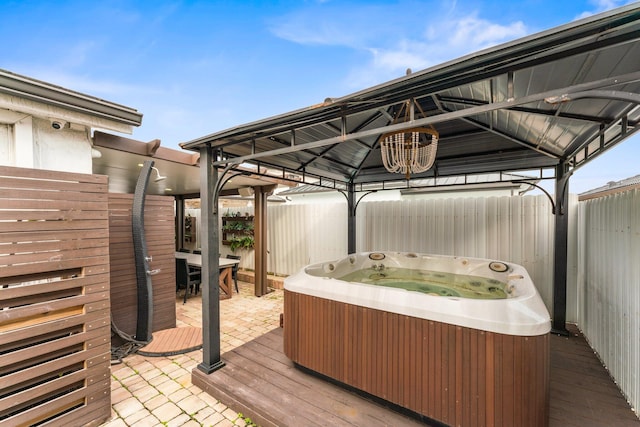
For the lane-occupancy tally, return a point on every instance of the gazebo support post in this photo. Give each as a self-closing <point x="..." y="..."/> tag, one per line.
<point x="558" y="325"/>
<point x="351" y="221"/>
<point x="260" y="240"/>
<point x="211" y="360"/>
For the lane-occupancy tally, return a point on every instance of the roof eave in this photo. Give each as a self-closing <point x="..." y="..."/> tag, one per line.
<point x="36" y="90"/>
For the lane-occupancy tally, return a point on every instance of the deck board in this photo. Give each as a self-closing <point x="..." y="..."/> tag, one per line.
<point x="262" y="383"/>
<point x="582" y="392"/>
<point x="173" y="341"/>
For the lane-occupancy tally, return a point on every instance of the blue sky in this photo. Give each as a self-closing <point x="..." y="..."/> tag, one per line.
<point x="197" y="67"/>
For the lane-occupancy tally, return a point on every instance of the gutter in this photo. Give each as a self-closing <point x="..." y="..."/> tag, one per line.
<point x="45" y="93"/>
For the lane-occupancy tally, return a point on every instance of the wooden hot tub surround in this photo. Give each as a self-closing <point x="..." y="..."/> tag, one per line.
<point x="456" y="375"/>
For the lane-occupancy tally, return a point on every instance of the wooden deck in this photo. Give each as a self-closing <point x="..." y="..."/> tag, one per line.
<point x="582" y="392"/>
<point x="262" y="383"/>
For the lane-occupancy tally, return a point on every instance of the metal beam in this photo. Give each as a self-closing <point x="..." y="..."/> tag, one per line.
<point x="508" y="137"/>
<point x="632" y="98"/>
<point x="554" y="113"/>
<point x="615" y="95"/>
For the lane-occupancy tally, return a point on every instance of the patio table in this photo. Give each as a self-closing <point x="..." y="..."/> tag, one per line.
<point x="225" y="265"/>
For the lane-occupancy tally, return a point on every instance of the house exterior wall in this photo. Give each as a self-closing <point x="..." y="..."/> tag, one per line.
<point x="28" y="139"/>
<point x="31" y="142"/>
<point x="6" y="145"/>
<point x="66" y="149"/>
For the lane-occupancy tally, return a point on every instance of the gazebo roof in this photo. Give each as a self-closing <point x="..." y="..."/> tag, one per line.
<point x="559" y="97"/>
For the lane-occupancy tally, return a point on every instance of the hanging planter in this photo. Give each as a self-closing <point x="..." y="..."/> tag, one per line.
<point x="245" y="242"/>
<point x="237" y="231"/>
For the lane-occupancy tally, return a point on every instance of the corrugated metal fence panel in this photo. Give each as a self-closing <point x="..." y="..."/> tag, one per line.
<point x="54" y="298"/>
<point x="515" y="229"/>
<point x="609" y="289"/>
<point x="327" y="228"/>
<point x="303" y="234"/>
<point x="299" y="234"/>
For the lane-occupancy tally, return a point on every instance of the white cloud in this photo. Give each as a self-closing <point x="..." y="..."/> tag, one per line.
<point x="407" y="56"/>
<point x="329" y="25"/>
<point x="471" y="33"/>
<point x="441" y="42"/>
<point x="602" y="6"/>
<point x="397" y="36"/>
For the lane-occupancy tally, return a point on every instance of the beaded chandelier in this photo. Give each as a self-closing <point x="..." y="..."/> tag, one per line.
<point x="410" y="150"/>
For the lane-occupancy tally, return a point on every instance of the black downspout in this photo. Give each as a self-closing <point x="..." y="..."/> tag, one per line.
<point x="211" y="359"/>
<point x="558" y="325"/>
<point x="143" y="274"/>
<point x="351" y="219"/>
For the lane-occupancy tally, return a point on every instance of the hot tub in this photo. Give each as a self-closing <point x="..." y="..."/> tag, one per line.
<point x="463" y="341"/>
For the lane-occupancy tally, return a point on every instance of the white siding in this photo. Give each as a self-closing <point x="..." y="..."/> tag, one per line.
<point x="609" y="285"/>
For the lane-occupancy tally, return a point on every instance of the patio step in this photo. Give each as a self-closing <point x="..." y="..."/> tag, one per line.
<point x="275" y="282"/>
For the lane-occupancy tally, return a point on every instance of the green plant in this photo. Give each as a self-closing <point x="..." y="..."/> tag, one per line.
<point x="234" y="244"/>
<point x="245" y="242"/>
<point x="247" y="420"/>
<point x="233" y="225"/>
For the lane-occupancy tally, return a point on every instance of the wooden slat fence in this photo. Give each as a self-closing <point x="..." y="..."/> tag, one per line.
<point x="159" y="224"/>
<point x="54" y="298"/>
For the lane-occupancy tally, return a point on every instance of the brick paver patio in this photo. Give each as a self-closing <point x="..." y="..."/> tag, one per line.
<point x="157" y="391"/>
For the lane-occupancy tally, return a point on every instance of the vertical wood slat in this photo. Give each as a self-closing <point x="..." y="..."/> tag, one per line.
<point x="462" y="376"/>
<point x="54" y="297"/>
<point x="159" y="223"/>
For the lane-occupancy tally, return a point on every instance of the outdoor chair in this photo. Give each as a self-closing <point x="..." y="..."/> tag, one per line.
<point x="234" y="271"/>
<point x="196" y="269"/>
<point x="186" y="278"/>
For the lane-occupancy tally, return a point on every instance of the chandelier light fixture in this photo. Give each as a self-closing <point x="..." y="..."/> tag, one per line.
<point x="410" y="150"/>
